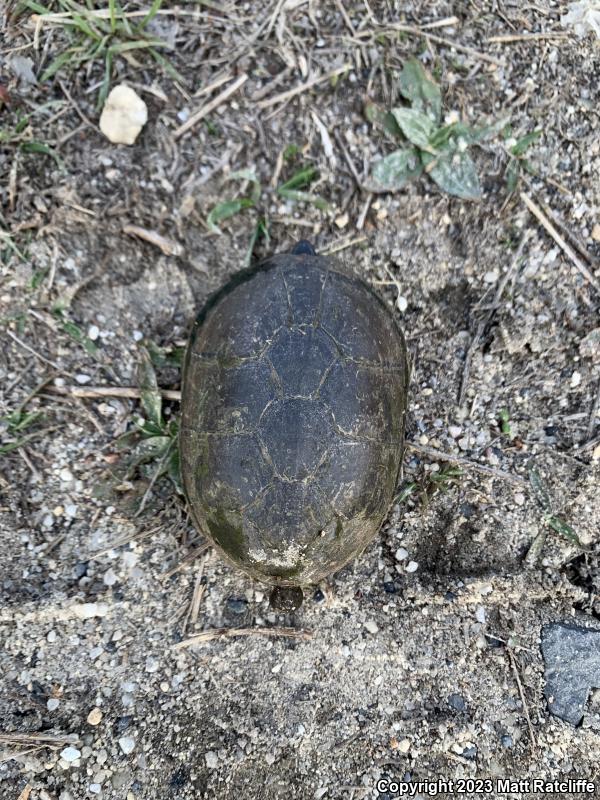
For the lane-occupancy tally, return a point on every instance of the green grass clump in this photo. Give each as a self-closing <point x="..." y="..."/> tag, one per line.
<point x="100" y="35"/>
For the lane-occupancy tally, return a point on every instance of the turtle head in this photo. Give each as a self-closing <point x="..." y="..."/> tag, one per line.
<point x="303" y="248"/>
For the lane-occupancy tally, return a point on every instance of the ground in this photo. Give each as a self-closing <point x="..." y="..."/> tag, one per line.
<point x="422" y="658"/>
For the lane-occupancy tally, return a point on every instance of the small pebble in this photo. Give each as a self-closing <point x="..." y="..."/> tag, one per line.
<point x="401" y="303"/>
<point x="52" y="704"/>
<point x="371" y="626"/>
<point x="66" y="475"/>
<point x="109" y="578"/>
<point x="412" y="566"/>
<point x="70" y="754"/>
<point x="575" y="379"/>
<point x="480" y="614"/>
<point x="51" y="636"/>
<point x="95" y="788"/>
<point x="401" y="554"/>
<point x="93" y="332"/>
<point x="236" y="605"/>
<point x="82" y="378"/>
<point x="211" y="758"/>
<point x="94" y="716"/>
<point x="126" y="743"/>
<point x="457" y="702"/>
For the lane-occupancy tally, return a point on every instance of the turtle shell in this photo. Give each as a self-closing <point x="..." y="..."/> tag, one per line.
<point x="293" y="408"/>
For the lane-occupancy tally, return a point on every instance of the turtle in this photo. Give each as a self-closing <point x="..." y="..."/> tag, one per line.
<point x="294" y="398"/>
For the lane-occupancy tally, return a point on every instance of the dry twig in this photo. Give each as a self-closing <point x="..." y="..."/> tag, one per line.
<point x="566" y="248"/>
<point x="304" y="87"/>
<point x="522" y="695"/>
<point x="210" y="107"/>
<point x="439" y="455"/>
<point x="168" y="246"/>
<point x="229" y="633"/>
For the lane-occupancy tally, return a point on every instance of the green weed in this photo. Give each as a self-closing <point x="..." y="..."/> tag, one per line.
<point x="429" y="147"/>
<point x="549" y="519"/>
<point x="152" y="447"/>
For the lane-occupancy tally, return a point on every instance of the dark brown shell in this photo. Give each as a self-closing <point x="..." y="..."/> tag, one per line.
<point x="293" y="407"/>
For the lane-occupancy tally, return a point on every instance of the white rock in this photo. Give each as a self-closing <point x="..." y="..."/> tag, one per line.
<point x="401" y="554"/>
<point x="94" y="716"/>
<point x="82" y="378"/>
<point x="109" y="578"/>
<point x="95" y="788"/>
<point x="70" y="754"/>
<point x="412" y="566"/>
<point x="93" y="332"/>
<point x="211" y="758"/>
<point x="126" y="743"/>
<point x="123" y="116"/>
<point x="575" y="379"/>
<point x="52" y="704"/>
<point x="371" y="626"/>
<point x="480" y="614"/>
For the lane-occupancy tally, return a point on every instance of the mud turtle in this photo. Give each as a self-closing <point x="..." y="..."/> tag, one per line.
<point x="293" y="407"/>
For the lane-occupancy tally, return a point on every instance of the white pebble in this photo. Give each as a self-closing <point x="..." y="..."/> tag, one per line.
<point x="575" y="379"/>
<point x="480" y="614"/>
<point x="126" y="743"/>
<point x="93" y="332"/>
<point x="455" y="431"/>
<point x="95" y="716"/>
<point x="401" y="304"/>
<point x="95" y="788"/>
<point x="71" y="511"/>
<point x="152" y="664"/>
<point x="109" y="578"/>
<point x="123" y="116"/>
<point x="412" y="566"/>
<point x="211" y="758"/>
<point x="401" y="554"/>
<point x="371" y="626"/>
<point x="138" y="336"/>
<point x="66" y="475"/>
<point x="82" y="377"/>
<point x="183" y="115"/>
<point x="51" y="636"/>
<point x="53" y="704"/>
<point x="491" y="277"/>
<point x="70" y="754"/>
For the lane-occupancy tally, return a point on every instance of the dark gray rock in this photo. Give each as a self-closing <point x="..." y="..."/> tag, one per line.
<point x="572" y="667"/>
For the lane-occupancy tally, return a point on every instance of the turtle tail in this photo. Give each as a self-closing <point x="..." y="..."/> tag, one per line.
<point x="303" y="248"/>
